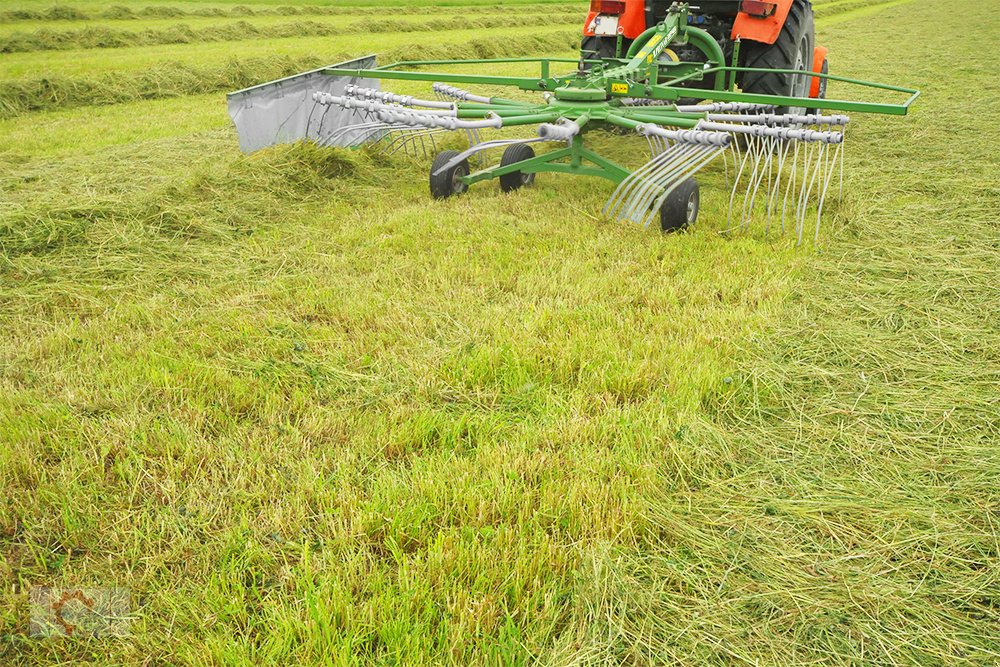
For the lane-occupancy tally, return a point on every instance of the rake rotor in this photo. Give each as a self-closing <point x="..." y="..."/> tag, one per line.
<point x="783" y="159"/>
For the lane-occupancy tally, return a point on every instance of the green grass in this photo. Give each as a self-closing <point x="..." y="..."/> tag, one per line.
<point x="310" y="417"/>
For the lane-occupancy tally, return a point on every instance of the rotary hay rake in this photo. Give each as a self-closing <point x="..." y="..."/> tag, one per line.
<point x="781" y="153"/>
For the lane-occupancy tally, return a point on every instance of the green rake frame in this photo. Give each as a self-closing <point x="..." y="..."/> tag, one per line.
<point x="778" y="147"/>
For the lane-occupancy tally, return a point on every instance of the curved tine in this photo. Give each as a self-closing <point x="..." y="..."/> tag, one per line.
<point x="652" y="148"/>
<point x="747" y="214"/>
<point x="322" y="119"/>
<point x="791" y="184"/>
<point x="423" y="145"/>
<point x="768" y="154"/>
<point x="820" y="166"/>
<point x="757" y="156"/>
<point x="421" y="135"/>
<point x="339" y="133"/>
<point x="649" y="179"/>
<point x="843" y="154"/>
<point x="385" y="131"/>
<point x="745" y="157"/>
<point x="764" y="156"/>
<point x="725" y="164"/>
<point x="709" y="154"/>
<point x="830" y="170"/>
<point x="640" y="211"/>
<point x="400" y="135"/>
<point x="398" y="138"/>
<point x="309" y="119"/>
<point x="651" y="201"/>
<point x="810" y="154"/>
<point x="654" y="181"/>
<point x="624" y="192"/>
<point x="407" y="137"/>
<point x="376" y="132"/>
<point x="666" y="181"/>
<point x="772" y="195"/>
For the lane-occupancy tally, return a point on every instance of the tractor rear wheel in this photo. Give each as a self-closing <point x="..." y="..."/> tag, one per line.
<point x="793" y="50"/>
<point x="601" y="48"/>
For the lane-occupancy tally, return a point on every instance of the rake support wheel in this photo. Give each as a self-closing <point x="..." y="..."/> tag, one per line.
<point x="448" y="182"/>
<point x="680" y="210"/>
<point x="516" y="179"/>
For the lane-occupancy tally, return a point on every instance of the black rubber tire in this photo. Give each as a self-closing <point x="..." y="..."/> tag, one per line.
<point x="601" y="48"/>
<point x="447" y="183"/>
<point x="516" y="179"/>
<point x="680" y="210"/>
<point x="795" y="43"/>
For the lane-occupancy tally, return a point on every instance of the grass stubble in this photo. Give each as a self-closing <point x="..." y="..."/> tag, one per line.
<point x="309" y="417"/>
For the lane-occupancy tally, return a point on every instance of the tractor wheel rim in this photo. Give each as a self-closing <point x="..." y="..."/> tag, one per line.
<point x="800" y="82"/>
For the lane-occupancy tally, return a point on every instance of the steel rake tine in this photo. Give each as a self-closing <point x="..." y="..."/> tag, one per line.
<point x="686" y="171"/>
<point x="756" y="153"/>
<point x="625" y="192"/>
<point x="790" y="186"/>
<point x="653" y="147"/>
<point x="640" y="197"/>
<point x="765" y="155"/>
<point x="772" y="196"/>
<point x="400" y="139"/>
<point x="843" y="155"/>
<point x="807" y="164"/>
<point x="617" y="198"/>
<point x="725" y="164"/>
<point x="831" y="169"/>
<point x="665" y="179"/>
<point x="808" y="179"/>
<point x="340" y="133"/>
<point x="744" y="159"/>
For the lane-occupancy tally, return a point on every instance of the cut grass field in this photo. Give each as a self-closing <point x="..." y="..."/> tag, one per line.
<point x="309" y="416"/>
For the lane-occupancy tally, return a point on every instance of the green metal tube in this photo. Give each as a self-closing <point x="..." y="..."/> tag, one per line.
<point x="673" y="121"/>
<point x="621" y="121"/>
<point x="510" y="121"/>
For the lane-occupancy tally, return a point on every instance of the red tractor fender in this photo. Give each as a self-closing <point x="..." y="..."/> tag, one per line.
<point x="764" y="30"/>
<point x="819" y="62"/>
<point x="631" y="22"/>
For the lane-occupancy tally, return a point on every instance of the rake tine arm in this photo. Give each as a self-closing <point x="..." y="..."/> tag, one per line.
<point x="724" y="107"/>
<point x="687" y="123"/>
<point x="780" y="119"/>
<point x="762" y="131"/>
<point x="390" y="115"/>
<point x="465" y="96"/>
<point x="386" y="97"/>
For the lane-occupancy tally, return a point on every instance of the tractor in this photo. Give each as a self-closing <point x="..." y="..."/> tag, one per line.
<point x="778" y="35"/>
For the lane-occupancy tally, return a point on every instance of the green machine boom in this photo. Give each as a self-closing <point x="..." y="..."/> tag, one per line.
<point x="786" y="150"/>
